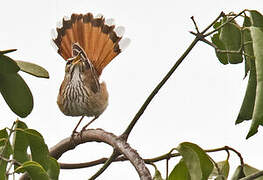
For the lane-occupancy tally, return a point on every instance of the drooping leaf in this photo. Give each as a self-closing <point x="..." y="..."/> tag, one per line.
<point x="257" y="118"/>
<point x="35" y="170"/>
<point x="222" y="57"/>
<point x="256" y="19"/>
<point x="230" y="36"/>
<point x="228" y="42"/>
<point x="25" y="138"/>
<point x="247" y="108"/>
<point x="247" y="44"/>
<point x="39" y="150"/>
<point x="7" y="65"/>
<point x="197" y="161"/>
<point x="20" y="143"/>
<point x="238" y="174"/>
<point x="33" y="69"/>
<point x="16" y="94"/>
<point x="180" y="171"/>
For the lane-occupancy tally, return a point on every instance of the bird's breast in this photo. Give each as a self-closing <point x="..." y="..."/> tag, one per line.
<point x="76" y="99"/>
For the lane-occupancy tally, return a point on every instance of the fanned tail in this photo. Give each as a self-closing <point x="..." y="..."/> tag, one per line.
<point x="98" y="37"/>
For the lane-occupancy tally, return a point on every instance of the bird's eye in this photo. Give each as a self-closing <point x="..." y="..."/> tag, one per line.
<point x="69" y="62"/>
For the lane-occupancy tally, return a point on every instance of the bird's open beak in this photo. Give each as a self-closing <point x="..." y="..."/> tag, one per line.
<point x="76" y="60"/>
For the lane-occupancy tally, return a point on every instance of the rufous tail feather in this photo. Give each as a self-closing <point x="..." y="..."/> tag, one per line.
<point x="99" y="38"/>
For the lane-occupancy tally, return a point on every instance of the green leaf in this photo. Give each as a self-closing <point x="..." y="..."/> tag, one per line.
<point x="257" y="118"/>
<point x="5" y="151"/>
<point x="7" y="65"/>
<point x="25" y="138"/>
<point x="20" y="143"/>
<point x="249" y="170"/>
<point x="224" y="170"/>
<point x="230" y="35"/>
<point x="238" y="174"/>
<point x="256" y="19"/>
<point x="247" y="44"/>
<point x="54" y="168"/>
<point x="16" y="94"/>
<point x="39" y="150"/>
<point x="33" y="69"/>
<point x="222" y="57"/>
<point x="35" y="170"/>
<point x="247" y="108"/>
<point x="7" y="51"/>
<point x="197" y="161"/>
<point x="180" y="171"/>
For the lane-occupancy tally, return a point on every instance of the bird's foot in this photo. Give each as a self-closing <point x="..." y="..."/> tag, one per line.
<point x="81" y="132"/>
<point x="73" y="135"/>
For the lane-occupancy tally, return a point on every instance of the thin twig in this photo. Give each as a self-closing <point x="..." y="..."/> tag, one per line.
<point x="196" y="27"/>
<point x="231" y="19"/>
<point x="105" y="165"/>
<point x="147" y="161"/>
<point x="222" y="14"/>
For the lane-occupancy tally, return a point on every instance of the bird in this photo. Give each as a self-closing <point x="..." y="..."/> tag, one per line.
<point x="88" y="44"/>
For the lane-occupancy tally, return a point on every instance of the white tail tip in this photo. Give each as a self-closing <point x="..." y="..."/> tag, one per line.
<point x="119" y="31"/>
<point x="54" y="34"/>
<point x="99" y="15"/>
<point x="66" y="18"/>
<point x="59" y="24"/>
<point x="110" y="22"/>
<point x="124" y="43"/>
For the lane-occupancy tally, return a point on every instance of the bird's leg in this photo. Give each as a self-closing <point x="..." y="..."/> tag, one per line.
<point x="75" y="129"/>
<point x="84" y="128"/>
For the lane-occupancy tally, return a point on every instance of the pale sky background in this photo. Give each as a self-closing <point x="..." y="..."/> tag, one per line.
<point x="199" y="103"/>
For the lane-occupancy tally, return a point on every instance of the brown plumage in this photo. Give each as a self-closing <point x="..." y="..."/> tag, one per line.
<point x="88" y="44"/>
<point x="98" y="40"/>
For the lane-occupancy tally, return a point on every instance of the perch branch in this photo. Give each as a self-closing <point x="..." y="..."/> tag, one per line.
<point x="100" y="135"/>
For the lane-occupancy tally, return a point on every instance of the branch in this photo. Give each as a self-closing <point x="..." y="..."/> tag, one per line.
<point x="146" y="161"/>
<point x="100" y="135"/>
<point x="113" y="156"/>
<point x="156" y="89"/>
